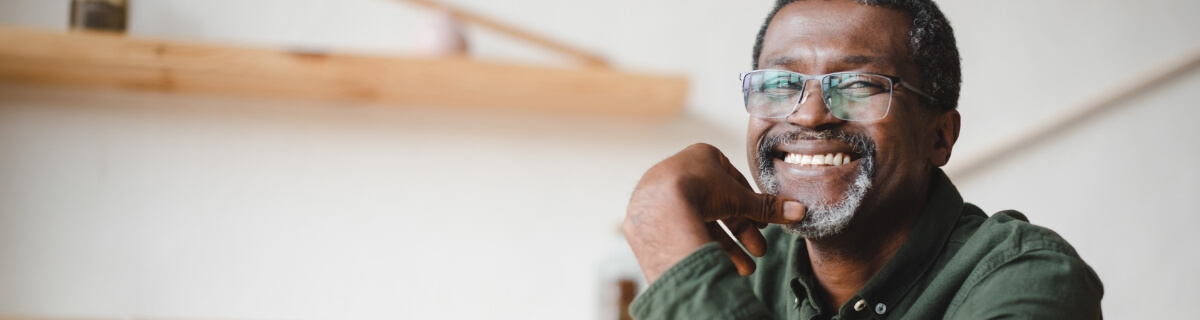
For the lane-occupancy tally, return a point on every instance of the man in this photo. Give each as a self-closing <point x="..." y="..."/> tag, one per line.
<point x="852" y="114"/>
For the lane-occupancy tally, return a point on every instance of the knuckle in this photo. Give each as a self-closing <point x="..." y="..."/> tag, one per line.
<point x="629" y="227"/>
<point x="766" y="207"/>
<point x="708" y="151"/>
<point x="702" y="147"/>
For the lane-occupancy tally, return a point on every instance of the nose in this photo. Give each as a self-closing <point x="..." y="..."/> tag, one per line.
<point x="812" y="112"/>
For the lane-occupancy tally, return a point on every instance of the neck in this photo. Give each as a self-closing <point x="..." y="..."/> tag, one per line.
<point x="842" y="264"/>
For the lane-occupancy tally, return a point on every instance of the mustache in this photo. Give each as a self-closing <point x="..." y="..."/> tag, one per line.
<point x="860" y="143"/>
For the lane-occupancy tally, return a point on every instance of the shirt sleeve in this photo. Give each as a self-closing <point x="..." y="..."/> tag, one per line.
<point x="704" y="285"/>
<point x="1041" y="284"/>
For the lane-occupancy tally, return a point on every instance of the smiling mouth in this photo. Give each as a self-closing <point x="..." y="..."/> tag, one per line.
<point x="815" y="160"/>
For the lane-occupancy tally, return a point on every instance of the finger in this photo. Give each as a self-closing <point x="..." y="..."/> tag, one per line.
<point x="748" y="235"/>
<point x="728" y="200"/>
<point x="772" y="205"/>
<point x="723" y="163"/>
<point x="724" y="192"/>
<point x="744" y="264"/>
<point x="774" y="209"/>
<point x="733" y="172"/>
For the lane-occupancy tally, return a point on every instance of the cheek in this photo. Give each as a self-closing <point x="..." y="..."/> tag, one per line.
<point x="916" y="132"/>
<point x="756" y="130"/>
<point x="898" y="147"/>
<point x="754" y="133"/>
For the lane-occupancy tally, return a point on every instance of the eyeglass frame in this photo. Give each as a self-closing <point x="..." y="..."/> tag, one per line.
<point x="820" y="78"/>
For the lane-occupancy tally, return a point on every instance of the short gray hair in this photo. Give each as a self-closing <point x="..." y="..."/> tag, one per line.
<point x="931" y="47"/>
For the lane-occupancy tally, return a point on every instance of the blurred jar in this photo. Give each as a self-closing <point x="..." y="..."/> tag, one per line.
<point x="107" y="15"/>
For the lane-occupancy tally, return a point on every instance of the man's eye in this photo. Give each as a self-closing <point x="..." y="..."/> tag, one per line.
<point x="861" y="87"/>
<point x="778" y="93"/>
<point x="860" y="84"/>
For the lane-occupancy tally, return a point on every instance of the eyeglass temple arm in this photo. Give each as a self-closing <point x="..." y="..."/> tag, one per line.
<point x="911" y="88"/>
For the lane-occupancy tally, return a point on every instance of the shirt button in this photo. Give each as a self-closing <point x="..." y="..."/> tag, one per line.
<point x="880" y="308"/>
<point x="858" y="306"/>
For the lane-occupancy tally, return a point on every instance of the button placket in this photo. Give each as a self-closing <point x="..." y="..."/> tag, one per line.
<point x="860" y="305"/>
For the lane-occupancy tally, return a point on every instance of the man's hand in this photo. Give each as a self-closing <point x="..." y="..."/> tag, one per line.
<point x="676" y="205"/>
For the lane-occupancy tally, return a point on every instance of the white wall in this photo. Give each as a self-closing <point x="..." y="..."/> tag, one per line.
<point x="130" y="204"/>
<point x="115" y="204"/>
<point x="1122" y="187"/>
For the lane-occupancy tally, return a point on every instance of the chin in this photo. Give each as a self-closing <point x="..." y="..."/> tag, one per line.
<point x="831" y="206"/>
<point x="828" y="171"/>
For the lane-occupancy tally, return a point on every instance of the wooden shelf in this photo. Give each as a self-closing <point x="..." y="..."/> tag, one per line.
<point x="96" y="59"/>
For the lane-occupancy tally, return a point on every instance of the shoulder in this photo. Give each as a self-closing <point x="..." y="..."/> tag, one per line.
<point x="1009" y="233"/>
<point x="1007" y="239"/>
<point x="1023" y="269"/>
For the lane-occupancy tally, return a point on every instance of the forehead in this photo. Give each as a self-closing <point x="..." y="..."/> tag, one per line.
<point x="820" y="36"/>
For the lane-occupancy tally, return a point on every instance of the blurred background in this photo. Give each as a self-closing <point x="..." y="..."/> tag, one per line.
<point x="119" y="204"/>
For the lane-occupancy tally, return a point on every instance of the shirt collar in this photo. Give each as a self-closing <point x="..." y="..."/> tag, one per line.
<point x="906" y="268"/>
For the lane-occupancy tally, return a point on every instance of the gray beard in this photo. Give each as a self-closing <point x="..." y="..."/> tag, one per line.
<point x="822" y="219"/>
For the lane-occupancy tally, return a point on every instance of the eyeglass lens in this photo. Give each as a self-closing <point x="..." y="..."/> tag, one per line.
<point x="848" y="95"/>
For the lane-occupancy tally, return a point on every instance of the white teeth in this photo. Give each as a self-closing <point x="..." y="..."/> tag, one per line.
<point x="792" y="158"/>
<point x="829" y="159"/>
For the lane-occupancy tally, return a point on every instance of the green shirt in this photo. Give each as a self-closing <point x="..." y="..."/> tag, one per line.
<point x="956" y="264"/>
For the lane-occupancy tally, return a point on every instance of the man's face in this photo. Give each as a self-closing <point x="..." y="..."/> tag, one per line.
<point x="888" y="157"/>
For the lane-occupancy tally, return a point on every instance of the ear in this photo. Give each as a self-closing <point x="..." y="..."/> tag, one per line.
<point x="946" y="125"/>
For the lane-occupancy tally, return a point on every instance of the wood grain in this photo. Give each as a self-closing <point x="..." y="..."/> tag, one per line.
<point x="97" y="59"/>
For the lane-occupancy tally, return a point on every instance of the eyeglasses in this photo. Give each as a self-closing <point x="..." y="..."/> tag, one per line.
<point x="851" y="96"/>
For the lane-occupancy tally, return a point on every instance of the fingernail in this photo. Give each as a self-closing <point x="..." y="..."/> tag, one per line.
<point x="793" y="211"/>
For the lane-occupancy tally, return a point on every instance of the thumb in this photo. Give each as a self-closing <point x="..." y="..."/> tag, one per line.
<point x="774" y="209"/>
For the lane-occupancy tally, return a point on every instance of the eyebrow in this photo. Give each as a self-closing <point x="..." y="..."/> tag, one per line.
<point x="858" y="60"/>
<point x="849" y="61"/>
